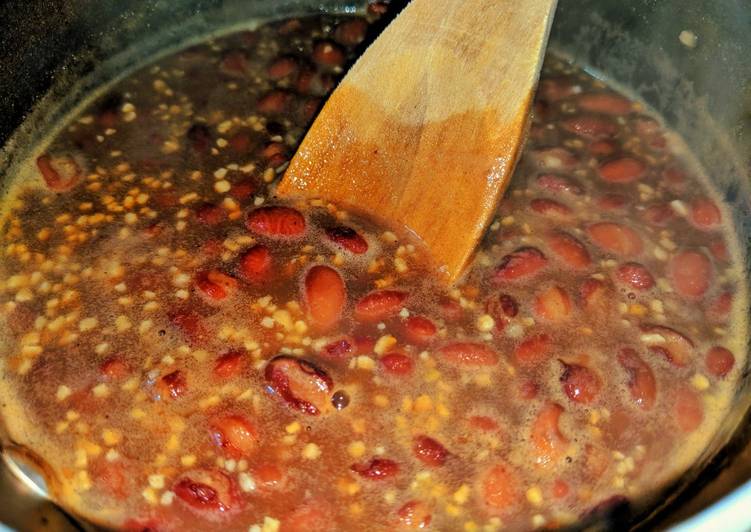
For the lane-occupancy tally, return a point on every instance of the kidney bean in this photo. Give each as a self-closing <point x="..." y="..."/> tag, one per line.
<point x="551" y="208"/>
<point x="528" y="389"/>
<point x="484" y="423"/>
<point x="719" y="361"/>
<point x="548" y="443"/>
<point x="283" y="67"/>
<point x="276" y="221"/>
<point x="341" y="349"/>
<point x="215" y="285"/>
<point x="719" y="310"/>
<point x="173" y="385"/>
<point x="190" y="324"/>
<point x="419" y="330"/>
<point x="669" y="343"/>
<point x="523" y="263"/>
<point x="612" y="202"/>
<point x="377" y="469"/>
<point x="313" y="516"/>
<point x="659" y="214"/>
<point x="60" y="173"/>
<point x="590" y="126"/>
<point x="553" y="304"/>
<point x="468" y="354"/>
<point x="533" y="350"/>
<point x="325" y="296"/>
<point x="328" y="54"/>
<point x="555" y="159"/>
<point x="604" y="102"/>
<point x="674" y="177"/>
<point x="256" y="264"/>
<point x="347" y="239"/>
<point x="210" y="214"/>
<point x="499" y="488"/>
<point x="351" y="32"/>
<point x="688" y="409"/>
<point x="635" y="275"/>
<point x="569" y="250"/>
<point x="429" y="451"/>
<point x="704" y="214"/>
<point x="579" y="383"/>
<point x="397" y="363"/>
<point x="593" y="294"/>
<point x="623" y="170"/>
<point x="556" y="183"/>
<point x="555" y="89"/>
<point x="414" y="514"/>
<point x="602" y="148"/>
<point x="231" y="364"/>
<point x="641" y="381"/>
<point x="206" y="490"/>
<point x="560" y="488"/>
<point x="690" y="273"/>
<point x="300" y="384"/>
<point x="235" y="434"/>
<point x="379" y="305"/>
<point x="719" y="250"/>
<point x="450" y="309"/>
<point x="274" y="103"/>
<point x="113" y="369"/>
<point x="616" y="238"/>
<point x="235" y="63"/>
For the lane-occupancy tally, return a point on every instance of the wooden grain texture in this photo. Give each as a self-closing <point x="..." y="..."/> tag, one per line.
<point x="426" y="127"/>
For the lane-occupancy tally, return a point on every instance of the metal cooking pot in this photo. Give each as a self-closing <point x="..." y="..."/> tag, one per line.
<point x="689" y="59"/>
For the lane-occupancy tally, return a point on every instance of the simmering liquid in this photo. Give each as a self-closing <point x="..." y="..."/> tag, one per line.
<point x="185" y="351"/>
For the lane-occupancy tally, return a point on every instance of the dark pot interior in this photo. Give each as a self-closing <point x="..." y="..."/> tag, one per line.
<point x="48" y="47"/>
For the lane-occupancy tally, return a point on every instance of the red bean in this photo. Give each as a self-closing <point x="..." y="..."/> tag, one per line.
<point x="593" y="294"/>
<point x="560" y="488"/>
<point x="276" y="221"/>
<point x="616" y="238"/>
<point x="256" y="264"/>
<point x="570" y="250"/>
<point x="419" y="330"/>
<point x="719" y="309"/>
<point x="523" y="263"/>
<point x="659" y="214"/>
<point x="719" y="361"/>
<point x="674" y="177"/>
<point x="429" y="451"/>
<point x="207" y="490"/>
<point x="313" y="516"/>
<point x="551" y="208"/>
<point x="555" y="159"/>
<point x="590" y="126"/>
<point x="555" y="89"/>
<point x="635" y="275"/>
<point x="719" y="250"/>
<point x="377" y="469"/>
<point x="397" y="363"/>
<point x="579" y="383"/>
<point x="235" y="434"/>
<point x="604" y="102"/>
<point x="602" y="148"/>
<point x="172" y="385"/>
<point x="216" y="286"/>
<point x="347" y="239"/>
<point x="533" y="350"/>
<point x="231" y="364"/>
<point x="240" y="142"/>
<point x="351" y="32"/>
<point x="325" y="296"/>
<point x="623" y="170"/>
<point x="670" y="344"/>
<point x="328" y="54"/>
<point x="612" y="202"/>
<point x="300" y="384"/>
<point x="556" y="183"/>
<point x="553" y="304"/>
<point x="338" y="349"/>
<point x="60" y="173"/>
<point x="114" y="369"/>
<point x="468" y="354"/>
<point x="705" y="214"/>
<point x="687" y="409"/>
<point x="414" y="514"/>
<point x="450" y="309"/>
<point x="641" y="381"/>
<point x="242" y="190"/>
<point x="549" y="445"/>
<point x="190" y="324"/>
<point x="690" y="273"/>
<point x="502" y="307"/>
<point x="274" y="102"/>
<point x="379" y="305"/>
<point x="500" y="488"/>
<point x="282" y="67"/>
<point x="235" y="63"/>
<point x="484" y="423"/>
<point x="210" y="214"/>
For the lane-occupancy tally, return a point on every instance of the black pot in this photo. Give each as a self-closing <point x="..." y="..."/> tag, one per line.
<point x="689" y="59"/>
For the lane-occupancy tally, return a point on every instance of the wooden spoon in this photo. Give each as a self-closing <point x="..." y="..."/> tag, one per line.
<point x="426" y="127"/>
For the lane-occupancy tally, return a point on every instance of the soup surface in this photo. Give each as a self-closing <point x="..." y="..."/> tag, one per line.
<point x="184" y="351"/>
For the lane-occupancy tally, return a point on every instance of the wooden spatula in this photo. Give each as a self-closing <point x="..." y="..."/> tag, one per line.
<point x="426" y="127"/>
